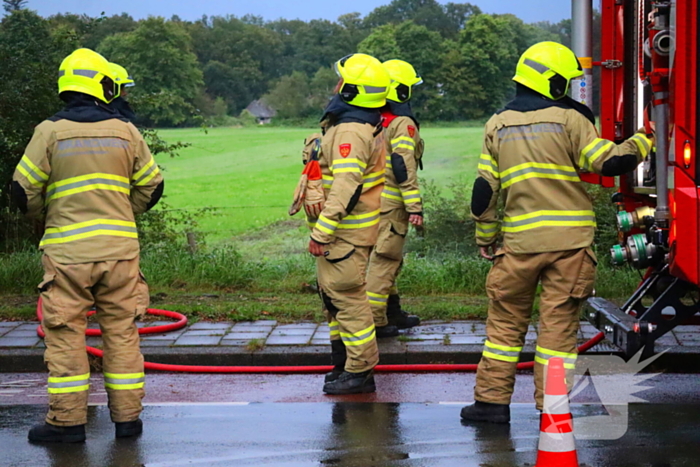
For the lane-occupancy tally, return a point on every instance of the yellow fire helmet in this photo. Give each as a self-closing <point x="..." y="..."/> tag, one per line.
<point x="88" y="72"/>
<point x="403" y="78"/>
<point x="123" y="77"/>
<point x="548" y="68"/>
<point x="365" y="81"/>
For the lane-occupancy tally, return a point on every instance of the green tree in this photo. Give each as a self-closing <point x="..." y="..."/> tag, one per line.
<point x="158" y="54"/>
<point x="290" y="96"/>
<point x="30" y="58"/>
<point x="13" y="5"/>
<point x="321" y="88"/>
<point x="381" y="43"/>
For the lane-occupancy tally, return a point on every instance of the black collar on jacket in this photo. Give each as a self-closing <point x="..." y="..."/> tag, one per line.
<point x="402" y="109"/>
<point x="527" y="100"/>
<point x="85" y="109"/>
<point x="122" y="106"/>
<point x="338" y="111"/>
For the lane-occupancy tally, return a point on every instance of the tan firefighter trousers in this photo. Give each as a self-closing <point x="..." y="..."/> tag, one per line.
<point x="385" y="262"/>
<point x="119" y="293"/>
<point x="567" y="278"/>
<point x="341" y="278"/>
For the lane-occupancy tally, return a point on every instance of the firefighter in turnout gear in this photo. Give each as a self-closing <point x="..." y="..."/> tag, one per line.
<point x="124" y="81"/>
<point x="401" y="201"/>
<point x="533" y="152"/>
<point x="86" y="172"/>
<point x="352" y="161"/>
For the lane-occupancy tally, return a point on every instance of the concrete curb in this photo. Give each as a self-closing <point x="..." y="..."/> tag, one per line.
<point x="675" y="360"/>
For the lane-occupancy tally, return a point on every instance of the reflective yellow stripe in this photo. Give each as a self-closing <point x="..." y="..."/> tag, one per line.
<point x="34" y="174"/>
<point x="148" y="177"/>
<point x="491" y="345"/>
<point x="143" y="170"/>
<point x="556" y="353"/>
<point x="349" y="165"/>
<point x="360" y="221"/>
<point x="487" y="229"/>
<point x="643" y="143"/>
<point x="538" y="170"/>
<point x="489" y="164"/>
<point x="403" y="142"/>
<point x="411" y="196"/>
<point x="68" y="379"/>
<point x="85" y="387"/>
<point x="503" y="358"/>
<point x="542" y="361"/>
<point x="327" y="181"/>
<point x="373" y="179"/>
<point x="358" y="338"/>
<point x="124" y="381"/>
<point x="593" y="151"/>
<point x="537" y="219"/>
<point x="333" y="326"/>
<point x="392" y="193"/>
<point x="89" y="229"/>
<point x="89" y="182"/>
<point x="377" y="299"/>
<point x="326" y="225"/>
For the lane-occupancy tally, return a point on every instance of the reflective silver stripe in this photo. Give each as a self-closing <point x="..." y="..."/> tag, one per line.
<point x="536" y="66"/>
<point x="527" y="170"/>
<point x="534" y="220"/>
<point x="346" y="165"/>
<point x="92" y="181"/>
<point x="356" y="338"/>
<point x="325" y="224"/>
<point x="33" y="173"/>
<point x="601" y="144"/>
<point x="86" y="73"/>
<point x="359" y="221"/>
<point x="644" y="141"/>
<point x="505" y="353"/>
<point x="61" y="73"/>
<point x="69" y="384"/>
<point x="91" y="228"/>
<point x="146" y="173"/>
<point x="411" y="197"/>
<point x="545" y="356"/>
<point x="125" y="381"/>
<point x="374" y="90"/>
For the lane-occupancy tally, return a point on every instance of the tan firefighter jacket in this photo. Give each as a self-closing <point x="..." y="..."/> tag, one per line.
<point x="404" y="151"/>
<point x="352" y="159"/>
<point x="89" y="179"/>
<point x="534" y="159"/>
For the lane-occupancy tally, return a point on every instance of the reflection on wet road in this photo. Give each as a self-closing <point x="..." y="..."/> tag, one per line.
<point x="345" y="434"/>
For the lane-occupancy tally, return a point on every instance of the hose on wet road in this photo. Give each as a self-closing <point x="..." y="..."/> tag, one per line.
<point x="182" y="322"/>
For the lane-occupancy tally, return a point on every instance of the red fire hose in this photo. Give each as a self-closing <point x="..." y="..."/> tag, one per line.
<point x="182" y="322"/>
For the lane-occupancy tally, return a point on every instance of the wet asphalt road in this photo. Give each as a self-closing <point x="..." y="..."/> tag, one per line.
<point x="204" y="420"/>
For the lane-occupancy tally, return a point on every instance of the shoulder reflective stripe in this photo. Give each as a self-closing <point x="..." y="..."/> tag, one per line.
<point x="487" y="229"/>
<point x="593" y="151"/>
<point x="89" y="229"/>
<point x="536" y="66"/>
<point x="124" y="381"/>
<point x="537" y="219"/>
<point x="489" y="164"/>
<point x="358" y="338"/>
<point x="67" y="384"/>
<point x="538" y="170"/>
<point x="643" y="143"/>
<point x="403" y="142"/>
<point x="86" y="73"/>
<point x="34" y="174"/>
<point x="96" y="181"/>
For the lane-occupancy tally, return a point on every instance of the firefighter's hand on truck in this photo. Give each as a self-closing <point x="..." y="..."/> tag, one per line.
<point x="488" y="252"/>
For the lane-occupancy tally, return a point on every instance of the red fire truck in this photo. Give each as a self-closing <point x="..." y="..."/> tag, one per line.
<point x="649" y="76"/>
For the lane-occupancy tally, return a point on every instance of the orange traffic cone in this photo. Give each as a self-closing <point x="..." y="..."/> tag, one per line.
<point x="556" y="448"/>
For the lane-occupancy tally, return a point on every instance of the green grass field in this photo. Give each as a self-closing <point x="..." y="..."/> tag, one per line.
<point x="249" y="174"/>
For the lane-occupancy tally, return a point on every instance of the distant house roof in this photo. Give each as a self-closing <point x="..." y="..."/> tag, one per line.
<point x="261" y="110"/>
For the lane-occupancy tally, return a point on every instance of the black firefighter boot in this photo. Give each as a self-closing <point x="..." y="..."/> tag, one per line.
<point x="351" y="383"/>
<point x="397" y="317"/>
<point x="486" y="412"/>
<point x="386" y="331"/>
<point x="46" y="433"/>
<point x="129" y="429"/>
<point x="338" y="357"/>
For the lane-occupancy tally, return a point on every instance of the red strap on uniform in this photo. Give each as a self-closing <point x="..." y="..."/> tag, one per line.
<point x="387" y="118"/>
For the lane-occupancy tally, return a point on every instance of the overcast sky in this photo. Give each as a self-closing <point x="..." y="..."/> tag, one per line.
<point x="528" y="10"/>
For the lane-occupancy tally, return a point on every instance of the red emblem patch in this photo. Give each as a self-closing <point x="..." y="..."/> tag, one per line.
<point x="345" y="149"/>
<point x="411" y="131"/>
